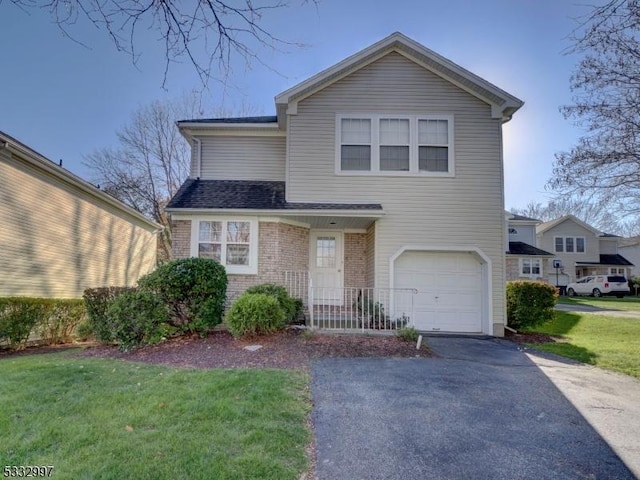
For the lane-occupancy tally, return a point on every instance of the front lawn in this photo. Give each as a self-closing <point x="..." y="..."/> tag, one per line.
<point x="608" y="342"/>
<point x="97" y="418"/>
<point x="630" y="304"/>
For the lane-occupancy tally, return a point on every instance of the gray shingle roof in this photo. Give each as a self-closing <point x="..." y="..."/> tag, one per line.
<point x="616" y="259"/>
<point x="523" y="218"/>
<point x="248" y="194"/>
<point x="261" y="119"/>
<point x="521" y="248"/>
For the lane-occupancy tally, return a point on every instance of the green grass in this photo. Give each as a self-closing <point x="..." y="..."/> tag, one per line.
<point x="96" y="418"/>
<point x="608" y="342"/>
<point x="629" y="304"/>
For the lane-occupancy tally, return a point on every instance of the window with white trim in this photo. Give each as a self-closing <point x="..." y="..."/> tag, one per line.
<point x="569" y="244"/>
<point x="394" y="144"/>
<point x="530" y="267"/>
<point x="617" y="271"/>
<point x="355" y="144"/>
<point x="232" y="242"/>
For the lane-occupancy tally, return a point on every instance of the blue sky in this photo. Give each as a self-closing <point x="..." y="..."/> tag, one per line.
<point x="66" y="100"/>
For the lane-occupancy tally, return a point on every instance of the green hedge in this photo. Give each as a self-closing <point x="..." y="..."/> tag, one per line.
<point x="255" y="314"/>
<point x="52" y="320"/>
<point x="194" y="290"/>
<point x="530" y="303"/>
<point x="292" y="307"/>
<point x="97" y="302"/>
<point x="137" y="317"/>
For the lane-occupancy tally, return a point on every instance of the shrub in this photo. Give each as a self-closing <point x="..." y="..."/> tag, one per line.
<point x="62" y="321"/>
<point x="97" y="302"/>
<point x="255" y="314"/>
<point x="194" y="290"/>
<point x="530" y="303"/>
<point x="408" y="334"/>
<point x="137" y="318"/>
<point x="18" y="317"/>
<point x="292" y="307"/>
<point x="52" y="320"/>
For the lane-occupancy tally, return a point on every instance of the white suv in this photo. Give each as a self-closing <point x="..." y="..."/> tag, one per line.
<point x="599" y="285"/>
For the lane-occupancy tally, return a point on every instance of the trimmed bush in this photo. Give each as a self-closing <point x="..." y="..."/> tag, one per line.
<point x="255" y="314"/>
<point x="51" y="320"/>
<point x="61" y="324"/>
<point x="530" y="303"/>
<point x="292" y="307"/>
<point x="194" y="290"/>
<point x="97" y="302"/>
<point x="136" y="318"/>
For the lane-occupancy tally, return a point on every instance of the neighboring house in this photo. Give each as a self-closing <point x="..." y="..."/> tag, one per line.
<point x="524" y="261"/>
<point x="629" y="248"/>
<point x="582" y="249"/>
<point x="60" y="234"/>
<point x="383" y="173"/>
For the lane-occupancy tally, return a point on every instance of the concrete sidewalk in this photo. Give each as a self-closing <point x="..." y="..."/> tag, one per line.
<point x="609" y="401"/>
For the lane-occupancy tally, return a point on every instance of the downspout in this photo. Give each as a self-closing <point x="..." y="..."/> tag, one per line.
<point x="198" y="149"/>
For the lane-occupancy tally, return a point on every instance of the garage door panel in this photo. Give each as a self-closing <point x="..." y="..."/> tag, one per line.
<point x="449" y="289"/>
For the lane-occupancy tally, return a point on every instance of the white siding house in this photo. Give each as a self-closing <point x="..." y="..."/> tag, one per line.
<point x="384" y="170"/>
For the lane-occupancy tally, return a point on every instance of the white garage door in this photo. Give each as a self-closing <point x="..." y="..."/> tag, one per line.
<point x="449" y="288"/>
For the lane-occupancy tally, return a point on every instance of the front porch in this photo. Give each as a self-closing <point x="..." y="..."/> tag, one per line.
<point x="352" y="308"/>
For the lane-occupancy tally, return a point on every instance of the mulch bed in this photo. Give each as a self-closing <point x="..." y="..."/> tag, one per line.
<point x="536" y="338"/>
<point x="287" y="349"/>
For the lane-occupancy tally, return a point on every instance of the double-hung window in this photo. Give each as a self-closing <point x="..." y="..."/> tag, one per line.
<point x="355" y="145"/>
<point x="569" y="244"/>
<point x="531" y="267"/>
<point x="232" y="242"/>
<point x="394" y="145"/>
<point x="433" y="145"/>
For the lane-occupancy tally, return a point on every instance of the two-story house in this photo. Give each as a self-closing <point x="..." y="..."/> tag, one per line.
<point x="524" y="260"/>
<point x="581" y="249"/>
<point x="383" y="172"/>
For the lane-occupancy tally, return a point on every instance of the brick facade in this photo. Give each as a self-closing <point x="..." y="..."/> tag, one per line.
<point x="355" y="260"/>
<point x="283" y="247"/>
<point x="512" y="267"/>
<point x="180" y="238"/>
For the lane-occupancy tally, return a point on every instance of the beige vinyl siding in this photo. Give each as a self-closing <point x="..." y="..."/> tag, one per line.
<point x="242" y="158"/>
<point x="526" y="234"/>
<point x="608" y="246"/>
<point x="464" y="210"/>
<point x="57" y="240"/>
<point x="568" y="228"/>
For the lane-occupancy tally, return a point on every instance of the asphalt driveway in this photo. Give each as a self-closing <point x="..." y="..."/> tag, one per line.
<point x="481" y="410"/>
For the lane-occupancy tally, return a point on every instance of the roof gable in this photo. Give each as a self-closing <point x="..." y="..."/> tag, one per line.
<point x="543" y="227"/>
<point x="503" y="105"/>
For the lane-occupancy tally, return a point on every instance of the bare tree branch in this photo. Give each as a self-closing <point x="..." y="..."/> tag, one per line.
<point x="207" y="34"/>
<point x="606" y="104"/>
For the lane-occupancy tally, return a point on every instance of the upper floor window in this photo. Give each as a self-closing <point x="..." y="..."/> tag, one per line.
<point x="394" y="145"/>
<point x="232" y="242"/>
<point x="569" y="244"/>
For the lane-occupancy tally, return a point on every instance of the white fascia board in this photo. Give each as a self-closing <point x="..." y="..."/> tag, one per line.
<point x="41" y="162"/>
<point x="280" y="213"/>
<point x="503" y="109"/>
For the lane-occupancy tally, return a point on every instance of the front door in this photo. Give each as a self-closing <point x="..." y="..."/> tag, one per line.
<point x="326" y="267"/>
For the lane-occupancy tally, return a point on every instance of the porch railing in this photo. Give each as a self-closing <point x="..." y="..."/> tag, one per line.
<point x="362" y="308"/>
<point x="299" y="285"/>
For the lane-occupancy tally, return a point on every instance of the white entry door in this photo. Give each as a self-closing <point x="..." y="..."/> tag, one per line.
<point x="326" y="266"/>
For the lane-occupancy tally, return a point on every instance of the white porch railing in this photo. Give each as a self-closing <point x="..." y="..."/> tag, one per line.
<point x="362" y="308"/>
<point x="299" y="285"/>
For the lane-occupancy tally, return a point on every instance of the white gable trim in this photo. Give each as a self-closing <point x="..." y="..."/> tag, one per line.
<point x="503" y="104"/>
